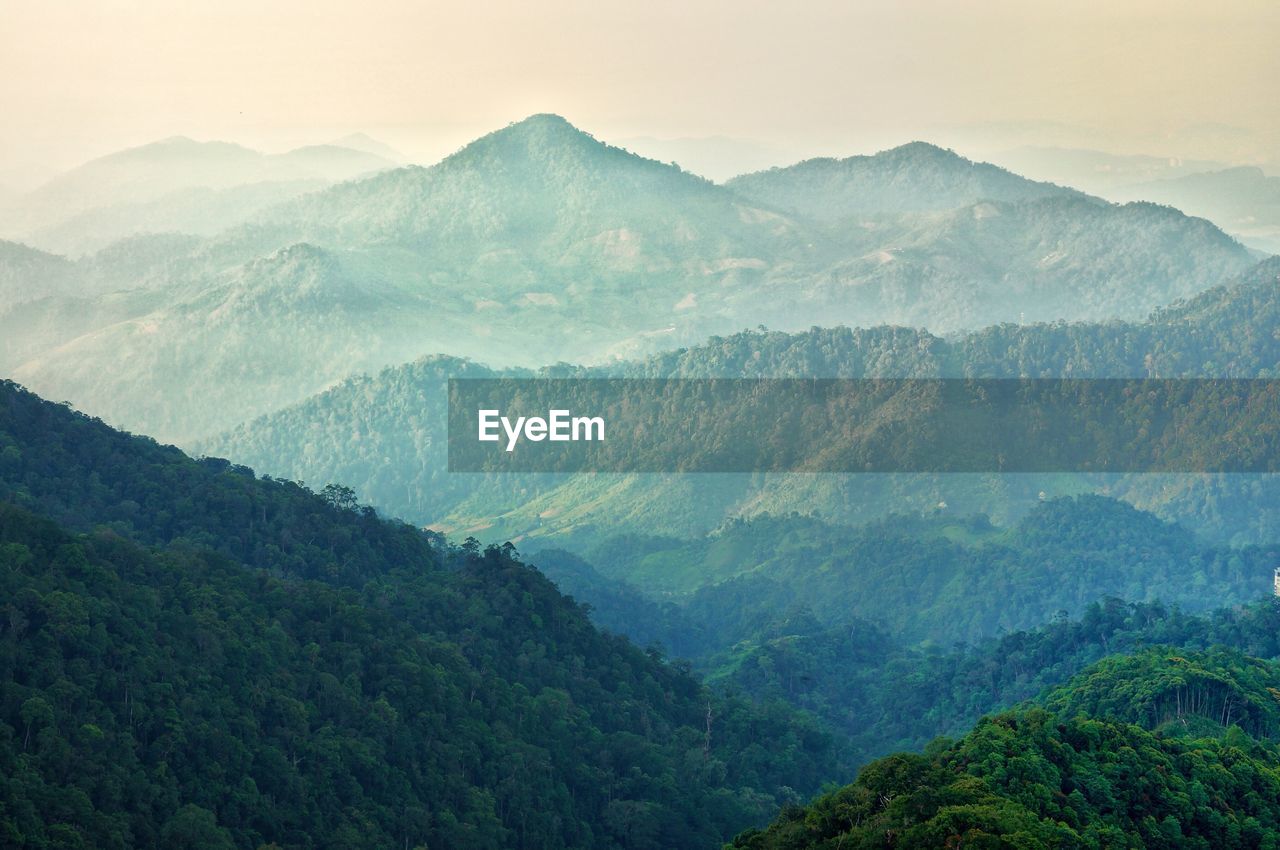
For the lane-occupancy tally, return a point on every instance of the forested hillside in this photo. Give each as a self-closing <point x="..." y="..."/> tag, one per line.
<point x="886" y="696"/>
<point x="195" y="657"/>
<point x="1182" y="775"/>
<point x="383" y="434"/>
<point x="914" y="627"/>
<point x="916" y="177"/>
<point x="938" y="580"/>
<point x="1243" y="200"/>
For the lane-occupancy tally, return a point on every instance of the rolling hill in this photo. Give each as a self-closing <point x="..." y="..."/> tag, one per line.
<point x="915" y="177"/>
<point x="191" y="653"/>
<point x="1243" y="201"/>
<point x="383" y="434"/>
<point x="539" y="244"/>
<point x="1038" y="778"/>
<point x="176" y="184"/>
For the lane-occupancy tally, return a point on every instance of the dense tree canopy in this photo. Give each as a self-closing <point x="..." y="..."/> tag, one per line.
<point x="1034" y="778"/>
<point x="238" y="662"/>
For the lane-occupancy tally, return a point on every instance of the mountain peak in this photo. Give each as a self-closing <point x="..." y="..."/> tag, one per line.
<point x="546" y="127"/>
<point x="548" y="147"/>
<point x="539" y="137"/>
<point x="915" y="177"/>
<point x="922" y="150"/>
<point x="183" y="146"/>
<point x="545" y="119"/>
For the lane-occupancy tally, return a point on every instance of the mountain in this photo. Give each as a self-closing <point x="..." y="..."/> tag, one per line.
<point x="1096" y="171"/>
<point x="27" y="274"/>
<point x="164" y="185"/>
<point x="190" y="653"/>
<point x="274" y="330"/>
<point x="543" y="201"/>
<point x="1243" y="201"/>
<point x="962" y="580"/>
<point x="912" y="178"/>
<point x="399" y="462"/>
<point x="1030" y="778"/>
<point x="888" y="696"/>
<point x="198" y="211"/>
<point x="861" y="668"/>
<point x="367" y="144"/>
<point x="538" y="244"/>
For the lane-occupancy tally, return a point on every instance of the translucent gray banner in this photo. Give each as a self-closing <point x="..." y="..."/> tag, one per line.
<point x="838" y="425"/>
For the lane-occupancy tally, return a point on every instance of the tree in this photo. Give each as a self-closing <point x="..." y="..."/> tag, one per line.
<point x="194" y="828"/>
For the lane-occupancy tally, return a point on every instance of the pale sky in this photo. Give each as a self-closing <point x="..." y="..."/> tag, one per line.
<point x="80" y="78"/>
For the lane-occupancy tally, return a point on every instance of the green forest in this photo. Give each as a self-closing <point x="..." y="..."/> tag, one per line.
<point x="196" y="657"/>
<point x="383" y="434"/>
<point x="298" y="628"/>
<point x="1153" y="750"/>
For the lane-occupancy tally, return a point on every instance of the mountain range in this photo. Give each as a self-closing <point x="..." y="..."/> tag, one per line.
<point x="539" y="244"/>
<point x="384" y="434"/>
<point x="177" y="184"/>
<point x="165" y="617"/>
<point x="1243" y="200"/>
<point x="239" y="648"/>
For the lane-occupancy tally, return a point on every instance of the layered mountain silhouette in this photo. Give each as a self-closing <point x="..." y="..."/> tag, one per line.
<point x="539" y="243"/>
<point x="177" y="184"/>
<point x="399" y="461"/>
<point x="1243" y="200"/>
<point x="916" y="177"/>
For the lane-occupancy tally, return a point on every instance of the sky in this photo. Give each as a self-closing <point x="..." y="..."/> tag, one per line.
<point x="81" y="78"/>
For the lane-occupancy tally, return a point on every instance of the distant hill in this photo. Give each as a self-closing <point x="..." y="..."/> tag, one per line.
<point x="1243" y="201"/>
<point x="198" y="211"/>
<point x="399" y="461"/>
<point x="162" y="186"/>
<point x="539" y="244"/>
<point x="27" y="274"/>
<point x="916" y="177"/>
<point x="940" y="581"/>
<point x="277" y="330"/>
<point x="1098" y="171"/>
<point x="366" y="143"/>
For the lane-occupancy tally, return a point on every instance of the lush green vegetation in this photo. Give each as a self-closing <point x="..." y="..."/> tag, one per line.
<point x="193" y="657"/>
<point x="885" y="696"/>
<point x="184" y="622"/>
<point x="915" y="627"/>
<point x="383" y="435"/>
<point x="931" y="578"/>
<point x="1036" y="778"/>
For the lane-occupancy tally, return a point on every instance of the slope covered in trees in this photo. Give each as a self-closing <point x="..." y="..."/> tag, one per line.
<point x="195" y="657"/>
<point x="885" y="696"/>
<point x="952" y="581"/>
<point x="915" y="177"/>
<point x="383" y="434"/>
<point x="1035" y="778"/>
